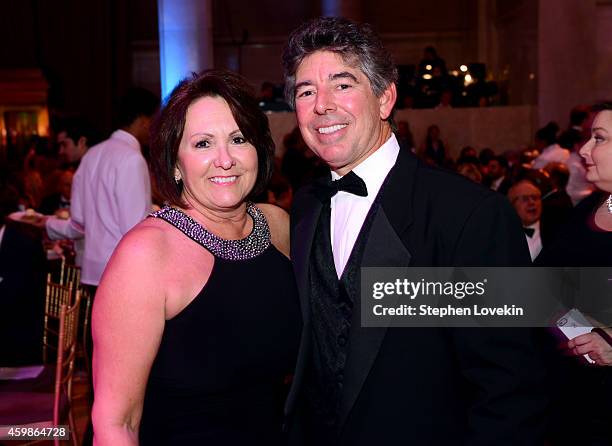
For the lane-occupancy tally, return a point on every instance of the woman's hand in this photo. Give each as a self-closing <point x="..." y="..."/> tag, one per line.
<point x="593" y="345"/>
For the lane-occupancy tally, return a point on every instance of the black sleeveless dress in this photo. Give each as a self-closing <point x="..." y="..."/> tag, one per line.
<point x="223" y="366"/>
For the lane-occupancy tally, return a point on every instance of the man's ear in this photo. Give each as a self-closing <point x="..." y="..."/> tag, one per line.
<point x="82" y="143"/>
<point x="387" y="101"/>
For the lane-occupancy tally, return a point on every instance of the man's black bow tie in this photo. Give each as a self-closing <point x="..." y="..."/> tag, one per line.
<point x="351" y="182"/>
<point x="529" y="232"/>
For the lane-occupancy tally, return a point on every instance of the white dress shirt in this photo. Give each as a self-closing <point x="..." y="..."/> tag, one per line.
<point x="111" y="193"/>
<point x="2" y="233"/>
<point x="535" y="241"/>
<point x="495" y="184"/>
<point x="348" y="211"/>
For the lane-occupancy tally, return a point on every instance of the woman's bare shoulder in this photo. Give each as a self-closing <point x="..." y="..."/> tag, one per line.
<point x="144" y="247"/>
<point x="278" y="220"/>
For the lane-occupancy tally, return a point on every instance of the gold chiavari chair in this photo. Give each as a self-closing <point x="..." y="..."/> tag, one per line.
<point x="71" y="275"/>
<point x="56" y="296"/>
<point x="46" y="400"/>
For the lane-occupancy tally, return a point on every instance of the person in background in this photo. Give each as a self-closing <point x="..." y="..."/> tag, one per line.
<point x="197" y="321"/>
<point x="581" y="118"/>
<point x="586" y="241"/>
<point x="526" y="198"/>
<point x="485" y="155"/>
<point x="550" y="150"/>
<point x="497" y="174"/>
<point x="111" y="189"/>
<point x="578" y="187"/>
<point x="299" y="164"/>
<point x="468" y="154"/>
<point x="60" y="198"/>
<point x="557" y="206"/>
<point x="430" y="61"/>
<point x="22" y="284"/>
<point x="404" y="136"/>
<point x="446" y="99"/>
<point x="434" y="150"/>
<point x="280" y="192"/>
<point x="469" y="170"/>
<point x="74" y="137"/>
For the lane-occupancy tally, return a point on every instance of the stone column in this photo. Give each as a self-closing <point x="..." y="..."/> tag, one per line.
<point x="185" y="40"/>
<point x="567" y="57"/>
<point x="488" y="40"/>
<point x="350" y="9"/>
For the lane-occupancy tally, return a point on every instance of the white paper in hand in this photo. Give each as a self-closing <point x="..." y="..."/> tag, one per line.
<point x="573" y="324"/>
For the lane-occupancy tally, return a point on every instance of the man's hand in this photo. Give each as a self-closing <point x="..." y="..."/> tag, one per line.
<point x="39" y="221"/>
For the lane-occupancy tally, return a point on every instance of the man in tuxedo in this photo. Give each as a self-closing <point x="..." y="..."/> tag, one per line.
<point x="22" y="285"/>
<point x="360" y="386"/>
<point x="527" y="201"/>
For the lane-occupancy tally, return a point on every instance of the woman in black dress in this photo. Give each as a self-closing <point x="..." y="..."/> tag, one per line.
<point x="584" y="410"/>
<point x="196" y="320"/>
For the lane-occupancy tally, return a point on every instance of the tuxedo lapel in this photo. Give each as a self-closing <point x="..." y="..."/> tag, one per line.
<point x="383" y="248"/>
<point x="302" y="237"/>
<point x="301" y="244"/>
<point x="398" y="192"/>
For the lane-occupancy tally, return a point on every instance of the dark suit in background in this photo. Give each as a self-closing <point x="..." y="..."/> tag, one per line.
<point x="22" y="297"/>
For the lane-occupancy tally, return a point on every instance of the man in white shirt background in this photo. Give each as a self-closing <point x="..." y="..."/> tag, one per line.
<point x="74" y="137"/>
<point x="111" y="190"/>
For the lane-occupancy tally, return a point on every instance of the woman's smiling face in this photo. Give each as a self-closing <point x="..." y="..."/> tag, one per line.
<point x="217" y="164"/>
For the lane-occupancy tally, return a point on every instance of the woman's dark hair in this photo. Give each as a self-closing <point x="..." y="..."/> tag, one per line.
<point x="168" y="128"/>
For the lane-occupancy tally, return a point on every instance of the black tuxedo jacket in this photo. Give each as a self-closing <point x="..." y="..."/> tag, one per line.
<point x="22" y="297"/>
<point x="428" y="386"/>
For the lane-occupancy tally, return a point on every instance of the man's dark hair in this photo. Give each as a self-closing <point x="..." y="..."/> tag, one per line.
<point x="135" y="103"/>
<point x="502" y="160"/>
<point x="578" y="115"/>
<point x="486" y="155"/>
<point x="548" y="133"/>
<point x="169" y="125"/>
<point x="569" y="139"/>
<point x="601" y="106"/>
<point x="536" y="177"/>
<point x="357" y="45"/>
<point x="77" y="127"/>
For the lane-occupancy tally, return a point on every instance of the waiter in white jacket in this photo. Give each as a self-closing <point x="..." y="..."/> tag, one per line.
<point x="111" y="189"/>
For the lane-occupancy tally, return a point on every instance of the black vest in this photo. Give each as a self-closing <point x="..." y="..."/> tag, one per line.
<point x="331" y="305"/>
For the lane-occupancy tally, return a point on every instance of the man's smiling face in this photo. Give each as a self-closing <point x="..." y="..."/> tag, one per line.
<point x="340" y="117"/>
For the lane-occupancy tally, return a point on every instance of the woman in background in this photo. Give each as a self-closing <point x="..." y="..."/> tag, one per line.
<point x="585" y="411"/>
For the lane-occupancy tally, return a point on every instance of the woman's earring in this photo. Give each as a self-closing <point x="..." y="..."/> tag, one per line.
<point x="177" y="176"/>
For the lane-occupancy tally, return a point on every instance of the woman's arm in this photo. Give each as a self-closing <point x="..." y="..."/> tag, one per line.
<point x="128" y="322"/>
